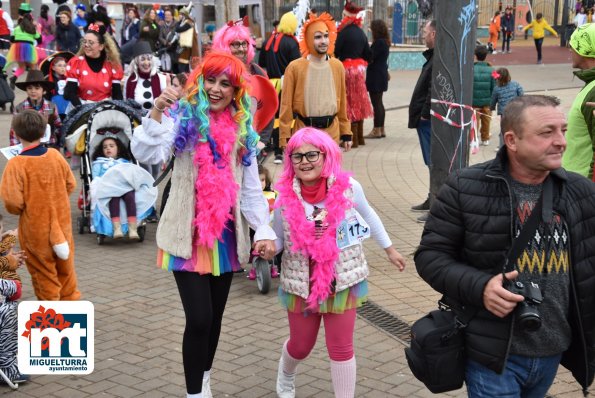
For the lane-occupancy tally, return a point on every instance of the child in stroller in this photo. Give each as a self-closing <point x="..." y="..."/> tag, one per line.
<point x="116" y="179"/>
<point x="111" y="152"/>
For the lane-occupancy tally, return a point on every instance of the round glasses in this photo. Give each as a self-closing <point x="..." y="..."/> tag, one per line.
<point x="89" y="43"/>
<point x="239" y="44"/>
<point x="311" y="157"/>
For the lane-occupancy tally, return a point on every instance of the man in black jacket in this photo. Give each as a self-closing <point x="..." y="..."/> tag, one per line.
<point x="476" y="216"/>
<point x="419" y="107"/>
<point x="280" y="49"/>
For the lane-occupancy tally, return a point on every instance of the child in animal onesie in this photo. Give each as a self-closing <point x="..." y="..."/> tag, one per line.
<point x="35" y="186"/>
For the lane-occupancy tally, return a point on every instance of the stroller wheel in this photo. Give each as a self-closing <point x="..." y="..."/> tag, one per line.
<point x="141" y="233"/>
<point x="263" y="274"/>
<point x="80" y="223"/>
<point x="100" y="239"/>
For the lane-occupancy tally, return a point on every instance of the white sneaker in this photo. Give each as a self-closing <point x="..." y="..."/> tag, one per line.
<point x="485" y="143"/>
<point x="494" y="52"/>
<point x="206" y="388"/>
<point x="285" y="383"/>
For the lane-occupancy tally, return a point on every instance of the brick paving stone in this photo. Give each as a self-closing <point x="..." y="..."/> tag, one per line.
<point x="123" y="391"/>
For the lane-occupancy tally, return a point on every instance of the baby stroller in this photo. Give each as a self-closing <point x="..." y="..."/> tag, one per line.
<point x="86" y="126"/>
<point x="6" y="94"/>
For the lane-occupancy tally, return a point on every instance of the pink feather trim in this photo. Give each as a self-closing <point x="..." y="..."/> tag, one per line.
<point x="323" y="251"/>
<point x="216" y="188"/>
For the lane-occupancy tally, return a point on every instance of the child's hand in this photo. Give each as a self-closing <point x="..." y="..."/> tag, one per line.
<point x="265" y="249"/>
<point x="395" y="257"/>
<point x="13" y="232"/>
<point x="20" y="256"/>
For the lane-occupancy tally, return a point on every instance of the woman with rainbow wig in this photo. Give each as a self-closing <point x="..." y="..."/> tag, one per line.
<point x="321" y="218"/>
<point x="215" y="196"/>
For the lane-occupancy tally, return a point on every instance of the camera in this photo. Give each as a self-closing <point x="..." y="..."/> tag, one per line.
<point x="527" y="313"/>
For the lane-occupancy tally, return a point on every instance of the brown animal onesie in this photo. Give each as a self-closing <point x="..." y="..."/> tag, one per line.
<point x="35" y="186"/>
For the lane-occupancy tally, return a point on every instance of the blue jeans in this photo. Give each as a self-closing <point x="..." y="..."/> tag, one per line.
<point x="424" y="132"/>
<point x="522" y="377"/>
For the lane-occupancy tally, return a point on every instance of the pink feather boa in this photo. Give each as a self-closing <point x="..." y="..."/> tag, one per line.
<point x="215" y="187"/>
<point x="323" y="251"/>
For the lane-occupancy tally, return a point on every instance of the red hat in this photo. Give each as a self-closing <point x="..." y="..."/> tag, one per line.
<point x="351" y="10"/>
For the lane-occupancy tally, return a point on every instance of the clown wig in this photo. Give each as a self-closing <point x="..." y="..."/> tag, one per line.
<point x="310" y="27"/>
<point x="322" y="141"/>
<point x="228" y="34"/>
<point x="133" y="68"/>
<point x="193" y="112"/>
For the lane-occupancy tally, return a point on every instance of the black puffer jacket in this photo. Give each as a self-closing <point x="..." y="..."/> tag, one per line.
<point x="422" y="93"/>
<point x="465" y="242"/>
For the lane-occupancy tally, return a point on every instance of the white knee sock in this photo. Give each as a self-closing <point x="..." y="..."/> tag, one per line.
<point x="343" y="374"/>
<point x="289" y="363"/>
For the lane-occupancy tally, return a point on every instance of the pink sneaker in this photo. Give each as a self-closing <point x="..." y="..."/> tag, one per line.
<point x="274" y="271"/>
<point x="252" y="274"/>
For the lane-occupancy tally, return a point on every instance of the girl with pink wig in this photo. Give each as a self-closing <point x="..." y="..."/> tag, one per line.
<point x="215" y="196"/>
<point x="321" y="217"/>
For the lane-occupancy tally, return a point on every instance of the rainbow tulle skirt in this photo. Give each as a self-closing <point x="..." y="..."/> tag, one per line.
<point x="222" y="258"/>
<point x="347" y="299"/>
<point x="21" y="52"/>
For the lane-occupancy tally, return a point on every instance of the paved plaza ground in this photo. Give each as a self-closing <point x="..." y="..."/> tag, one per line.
<point x="139" y="318"/>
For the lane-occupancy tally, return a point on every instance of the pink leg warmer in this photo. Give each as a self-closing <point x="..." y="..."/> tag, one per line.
<point x="289" y="363"/>
<point x="343" y="374"/>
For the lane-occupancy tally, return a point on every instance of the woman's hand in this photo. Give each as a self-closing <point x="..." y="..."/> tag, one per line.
<point x="395" y="257"/>
<point x="265" y="249"/>
<point x="168" y="97"/>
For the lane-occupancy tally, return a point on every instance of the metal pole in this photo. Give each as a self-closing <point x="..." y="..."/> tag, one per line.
<point x="563" y="38"/>
<point x="452" y="66"/>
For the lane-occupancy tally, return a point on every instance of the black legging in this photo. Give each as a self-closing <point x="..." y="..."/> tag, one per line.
<point x="379" y="113"/>
<point x="538" y="44"/>
<point x="506" y="36"/>
<point x="203" y="298"/>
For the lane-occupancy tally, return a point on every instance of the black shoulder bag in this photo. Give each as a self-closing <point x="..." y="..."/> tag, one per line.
<point x="436" y="355"/>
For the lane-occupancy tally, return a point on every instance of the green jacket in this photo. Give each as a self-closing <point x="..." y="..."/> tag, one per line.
<point x="483" y="84"/>
<point x="580" y="134"/>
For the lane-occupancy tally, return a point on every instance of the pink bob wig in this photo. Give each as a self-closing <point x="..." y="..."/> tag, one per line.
<point x="322" y="141"/>
<point x="228" y="34"/>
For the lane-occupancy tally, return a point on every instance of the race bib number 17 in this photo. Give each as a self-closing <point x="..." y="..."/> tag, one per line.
<point x="352" y="231"/>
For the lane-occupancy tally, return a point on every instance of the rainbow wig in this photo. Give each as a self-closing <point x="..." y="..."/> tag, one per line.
<point x="322" y="141"/>
<point x="192" y="115"/>
<point x="228" y="34"/>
